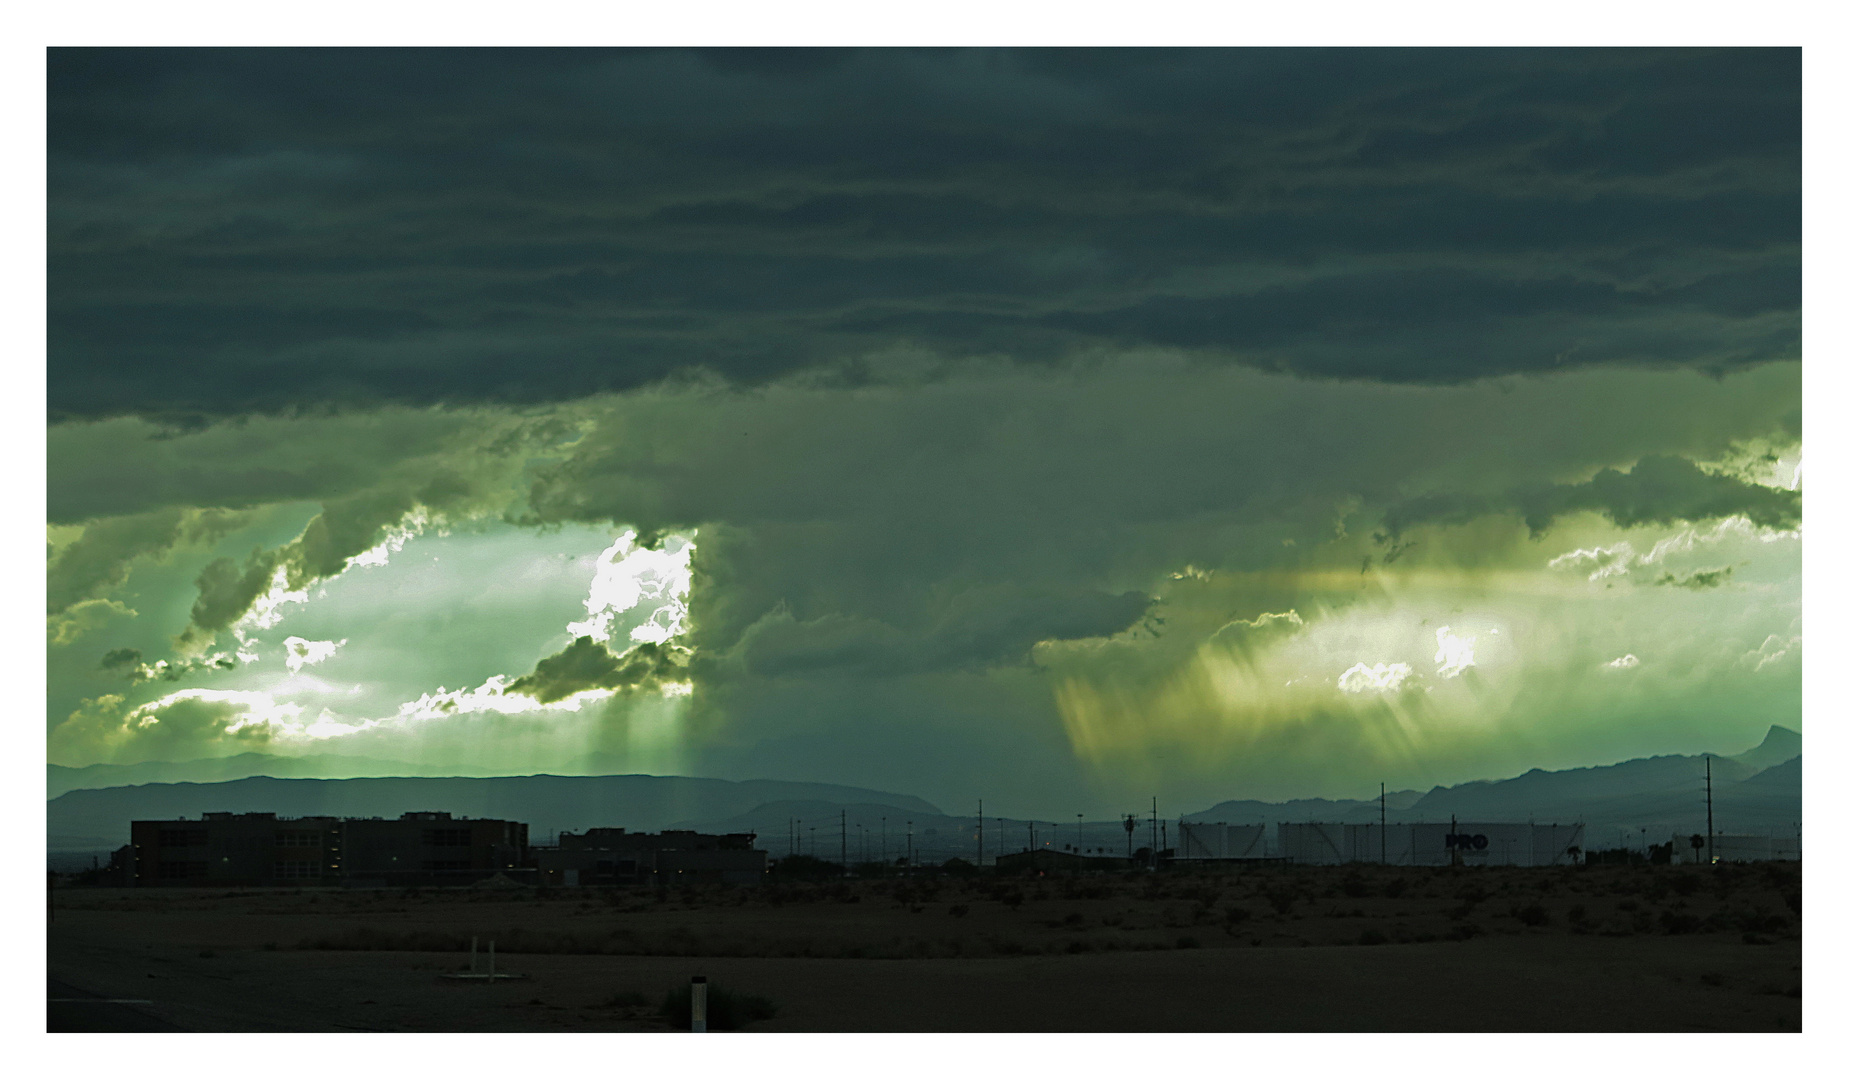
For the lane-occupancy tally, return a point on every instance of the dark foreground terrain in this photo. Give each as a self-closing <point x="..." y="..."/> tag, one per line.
<point x="1603" y="948"/>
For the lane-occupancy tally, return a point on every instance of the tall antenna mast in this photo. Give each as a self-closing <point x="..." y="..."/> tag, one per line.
<point x="1154" y="842"/>
<point x="978" y="832"/>
<point x="844" y="841"/>
<point x="1710" y="837"/>
<point x="1383" y="823"/>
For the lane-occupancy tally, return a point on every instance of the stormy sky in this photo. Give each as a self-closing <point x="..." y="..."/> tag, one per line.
<point x="1055" y="427"/>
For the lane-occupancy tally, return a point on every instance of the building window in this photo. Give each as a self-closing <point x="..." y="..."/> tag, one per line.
<point x="446" y="837"/>
<point x="182" y="838"/>
<point x="297" y="868"/>
<point x="171" y="870"/>
<point x="294" y="838"/>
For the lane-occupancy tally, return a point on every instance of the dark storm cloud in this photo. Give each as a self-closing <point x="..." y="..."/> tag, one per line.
<point x="1699" y="579"/>
<point x="98" y="560"/>
<point x="1658" y="490"/>
<point x="233" y="230"/>
<point x="981" y="627"/>
<point x="586" y="665"/>
<point x="128" y="663"/>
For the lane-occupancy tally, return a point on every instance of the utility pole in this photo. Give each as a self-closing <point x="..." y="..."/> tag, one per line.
<point x="1081" y="834"/>
<point x="1383" y="823"/>
<point x="978" y="832"/>
<point x="844" y="841"/>
<point x="908" y="849"/>
<point x="791" y="849"/>
<point x="1154" y="843"/>
<point x="1710" y="764"/>
<point x="882" y="841"/>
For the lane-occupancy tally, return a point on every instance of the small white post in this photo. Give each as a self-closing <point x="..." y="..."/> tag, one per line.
<point x="490" y="959"/>
<point x="699" y="1003"/>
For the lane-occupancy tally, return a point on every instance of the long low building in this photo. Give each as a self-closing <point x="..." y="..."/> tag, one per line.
<point x="421" y="848"/>
<point x="672" y="856"/>
<point x="424" y="847"/>
<point x="1433" y="844"/>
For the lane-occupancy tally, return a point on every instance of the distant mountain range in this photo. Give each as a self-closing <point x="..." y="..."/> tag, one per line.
<point x="1754" y="792"/>
<point x="1759" y="791"/>
<point x="60" y="778"/>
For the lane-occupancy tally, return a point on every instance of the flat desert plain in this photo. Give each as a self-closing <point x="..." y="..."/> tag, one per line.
<point x="1260" y="948"/>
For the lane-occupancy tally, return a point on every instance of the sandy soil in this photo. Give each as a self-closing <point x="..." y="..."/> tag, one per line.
<point x="1274" y="949"/>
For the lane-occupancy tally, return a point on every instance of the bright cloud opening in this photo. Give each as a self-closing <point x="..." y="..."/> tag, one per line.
<point x="1454" y="654"/>
<point x="626" y="576"/>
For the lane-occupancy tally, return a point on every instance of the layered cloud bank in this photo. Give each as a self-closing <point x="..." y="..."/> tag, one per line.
<point x="234" y="230"/>
<point x="1143" y="572"/>
<point x="1135" y="423"/>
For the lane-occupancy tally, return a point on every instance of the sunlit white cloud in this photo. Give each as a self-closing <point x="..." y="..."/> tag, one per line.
<point x="1621" y="558"/>
<point x="491" y="696"/>
<point x="1770" y="651"/>
<point x="1604" y="561"/>
<point x="1374" y="678"/>
<point x="1455" y="653"/>
<point x="1628" y="660"/>
<point x="396" y="537"/>
<point x="626" y="576"/>
<point x="265" y="612"/>
<point x="300" y="652"/>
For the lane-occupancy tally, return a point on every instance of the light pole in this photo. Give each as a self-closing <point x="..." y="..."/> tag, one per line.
<point x="1081" y="834"/>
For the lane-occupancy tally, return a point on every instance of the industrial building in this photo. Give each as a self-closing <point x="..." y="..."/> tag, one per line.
<point x="431" y="847"/>
<point x="234" y="849"/>
<point x="1217" y="840"/>
<point x="428" y="847"/>
<point x="1434" y="844"/>
<point x="673" y="856"/>
<point x="1032" y="860"/>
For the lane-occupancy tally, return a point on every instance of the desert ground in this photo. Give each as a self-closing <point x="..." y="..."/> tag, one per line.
<point x="1262" y="948"/>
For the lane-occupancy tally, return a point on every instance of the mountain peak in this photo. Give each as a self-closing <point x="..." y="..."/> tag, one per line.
<point x="1780" y="745"/>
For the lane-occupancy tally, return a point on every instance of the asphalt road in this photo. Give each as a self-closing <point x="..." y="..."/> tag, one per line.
<point x="70" y="1009"/>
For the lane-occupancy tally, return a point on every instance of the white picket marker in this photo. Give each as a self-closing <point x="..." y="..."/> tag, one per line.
<point x="699" y="1003"/>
